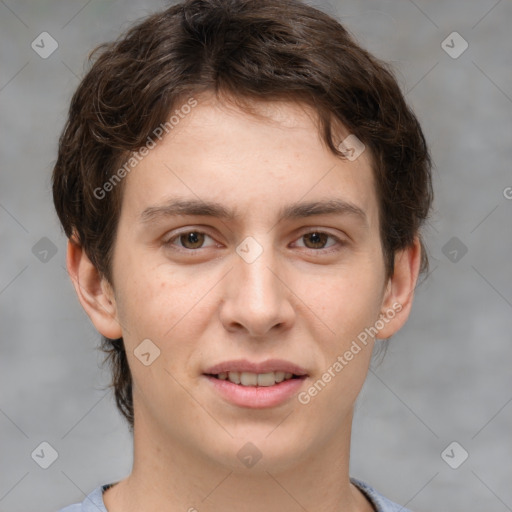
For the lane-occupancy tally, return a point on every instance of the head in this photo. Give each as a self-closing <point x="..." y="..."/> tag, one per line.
<point x="243" y="103"/>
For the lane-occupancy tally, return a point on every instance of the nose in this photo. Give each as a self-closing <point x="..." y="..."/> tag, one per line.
<point x="257" y="298"/>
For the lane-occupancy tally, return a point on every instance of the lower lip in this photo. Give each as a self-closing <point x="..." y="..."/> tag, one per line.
<point x="256" y="397"/>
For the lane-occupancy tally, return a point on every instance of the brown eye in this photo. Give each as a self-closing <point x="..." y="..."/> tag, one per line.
<point x="189" y="240"/>
<point x="316" y="239"/>
<point x="194" y="238"/>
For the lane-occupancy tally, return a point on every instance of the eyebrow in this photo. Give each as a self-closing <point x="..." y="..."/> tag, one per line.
<point x="299" y="210"/>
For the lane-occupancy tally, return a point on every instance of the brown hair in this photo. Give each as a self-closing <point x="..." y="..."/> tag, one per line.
<point x="248" y="50"/>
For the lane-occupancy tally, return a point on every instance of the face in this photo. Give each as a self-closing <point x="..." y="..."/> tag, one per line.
<point x="247" y="250"/>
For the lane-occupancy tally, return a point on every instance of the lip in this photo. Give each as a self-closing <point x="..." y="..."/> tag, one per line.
<point x="243" y="365"/>
<point x="256" y="397"/>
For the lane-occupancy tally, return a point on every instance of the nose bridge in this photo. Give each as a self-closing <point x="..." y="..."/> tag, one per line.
<point x="257" y="299"/>
<point x="256" y="279"/>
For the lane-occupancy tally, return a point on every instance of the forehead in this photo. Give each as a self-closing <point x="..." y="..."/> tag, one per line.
<point x="252" y="162"/>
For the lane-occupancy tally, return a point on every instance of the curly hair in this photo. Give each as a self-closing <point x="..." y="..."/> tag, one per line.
<point x="247" y="50"/>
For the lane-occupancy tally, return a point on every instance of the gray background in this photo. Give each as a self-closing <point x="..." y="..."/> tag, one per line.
<point x="446" y="376"/>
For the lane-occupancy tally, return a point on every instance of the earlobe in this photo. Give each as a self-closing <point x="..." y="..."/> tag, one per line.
<point x="93" y="291"/>
<point x="399" y="294"/>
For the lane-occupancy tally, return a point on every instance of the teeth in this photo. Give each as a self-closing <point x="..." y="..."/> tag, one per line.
<point x="255" y="379"/>
<point x="279" y="376"/>
<point x="248" y="379"/>
<point x="234" y="377"/>
<point x="266" y="379"/>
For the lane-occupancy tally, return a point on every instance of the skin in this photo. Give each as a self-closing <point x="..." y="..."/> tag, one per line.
<point x="303" y="300"/>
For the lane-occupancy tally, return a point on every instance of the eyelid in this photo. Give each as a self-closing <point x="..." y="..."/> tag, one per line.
<point x="189" y="229"/>
<point x="340" y="241"/>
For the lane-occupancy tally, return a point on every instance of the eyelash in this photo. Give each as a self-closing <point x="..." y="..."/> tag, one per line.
<point x="339" y="241"/>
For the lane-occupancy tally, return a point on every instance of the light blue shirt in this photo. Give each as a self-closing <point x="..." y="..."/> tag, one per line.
<point x="94" y="501"/>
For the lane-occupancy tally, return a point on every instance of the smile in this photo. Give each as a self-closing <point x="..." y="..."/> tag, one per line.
<point x="255" y="379"/>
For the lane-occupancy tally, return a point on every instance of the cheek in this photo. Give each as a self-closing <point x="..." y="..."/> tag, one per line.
<point x="348" y="306"/>
<point x="163" y="305"/>
<point x="158" y="308"/>
<point x="346" y="302"/>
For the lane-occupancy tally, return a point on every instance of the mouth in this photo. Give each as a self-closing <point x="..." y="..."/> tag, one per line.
<point x="255" y="379"/>
<point x="253" y="385"/>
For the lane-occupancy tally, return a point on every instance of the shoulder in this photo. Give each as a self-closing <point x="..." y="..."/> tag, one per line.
<point x="379" y="502"/>
<point x="93" y="502"/>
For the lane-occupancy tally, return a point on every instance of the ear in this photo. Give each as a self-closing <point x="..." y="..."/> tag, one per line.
<point x="399" y="293"/>
<point x="94" y="292"/>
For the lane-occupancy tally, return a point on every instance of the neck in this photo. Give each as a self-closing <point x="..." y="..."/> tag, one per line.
<point x="167" y="475"/>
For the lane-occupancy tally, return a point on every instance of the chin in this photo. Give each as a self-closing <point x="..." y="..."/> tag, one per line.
<point x="260" y="449"/>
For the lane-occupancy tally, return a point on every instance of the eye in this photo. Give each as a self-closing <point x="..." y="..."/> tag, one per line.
<point x="316" y="240"/>
<point x="190" y="240"/>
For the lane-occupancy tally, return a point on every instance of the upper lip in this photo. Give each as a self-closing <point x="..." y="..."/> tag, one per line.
<point x="243" y="365"/>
